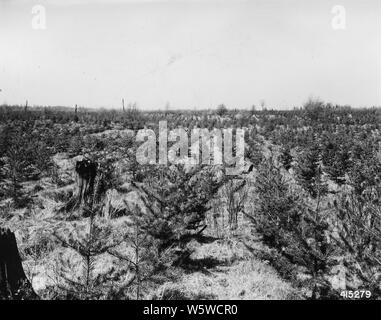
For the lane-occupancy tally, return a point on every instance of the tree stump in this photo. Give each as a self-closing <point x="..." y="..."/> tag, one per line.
<point x="13" y="281"/>
<point x="86" y="172"/>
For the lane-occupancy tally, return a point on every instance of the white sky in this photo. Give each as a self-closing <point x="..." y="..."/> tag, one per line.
<point x="192" y="54"/>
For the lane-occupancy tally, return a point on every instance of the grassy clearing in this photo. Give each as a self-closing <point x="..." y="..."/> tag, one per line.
<point x="225" y="269"/>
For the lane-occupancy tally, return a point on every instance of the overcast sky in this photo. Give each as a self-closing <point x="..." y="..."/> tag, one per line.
<point x="192" y="54"/>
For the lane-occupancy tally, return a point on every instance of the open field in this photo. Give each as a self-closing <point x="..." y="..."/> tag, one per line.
<point x="300" y="220"/>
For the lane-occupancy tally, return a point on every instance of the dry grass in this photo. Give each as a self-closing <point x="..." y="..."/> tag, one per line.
<point x="233" y="274"/>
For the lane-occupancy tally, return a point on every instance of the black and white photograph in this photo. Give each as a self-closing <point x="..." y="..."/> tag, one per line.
<point x="207" y="151"/>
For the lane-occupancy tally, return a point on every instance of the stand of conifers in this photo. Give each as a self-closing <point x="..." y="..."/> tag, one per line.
<point x="13" y="281"/>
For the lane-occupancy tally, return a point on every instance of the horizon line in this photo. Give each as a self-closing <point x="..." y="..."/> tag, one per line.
<point x="229" y="109"/>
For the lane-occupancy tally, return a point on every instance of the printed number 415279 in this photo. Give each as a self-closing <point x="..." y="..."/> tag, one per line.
<point x="357" y="294"/>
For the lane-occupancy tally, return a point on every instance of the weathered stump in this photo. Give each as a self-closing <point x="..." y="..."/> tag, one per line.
<point x="13" y="281"/>
<point x="86" y="172"/>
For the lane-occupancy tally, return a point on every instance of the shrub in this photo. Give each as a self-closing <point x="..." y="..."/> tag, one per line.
<point x="358" y="224"/>
<point x="177" y="201"/>
<point x="291" y="226"/>
<point x="221" y="110"/>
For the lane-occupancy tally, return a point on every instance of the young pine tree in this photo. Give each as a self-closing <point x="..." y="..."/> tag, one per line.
<point x="290" y="226"/>
<point x="141" y="261"/>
